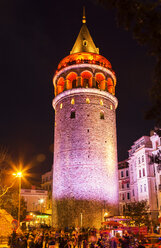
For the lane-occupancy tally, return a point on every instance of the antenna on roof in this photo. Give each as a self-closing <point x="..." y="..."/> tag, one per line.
<point x="84" y="16"/>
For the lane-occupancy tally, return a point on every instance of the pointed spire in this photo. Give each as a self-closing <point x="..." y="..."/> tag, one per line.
<point x="84" y="16"/>
<point x="84" y="41"/>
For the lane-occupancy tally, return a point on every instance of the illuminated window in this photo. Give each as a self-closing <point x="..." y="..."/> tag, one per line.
<point x="72" y="101"/>
<point x="87" y="100"/>
<point x="85" y="43"/>
<point x="111" y="107"/>
<point x="101" y="102"/>
<point x="61" y="106"/>
<point x="102" y="115"/>
<point x="72" y="115"/>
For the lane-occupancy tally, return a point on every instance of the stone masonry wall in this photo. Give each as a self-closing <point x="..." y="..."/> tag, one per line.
<point x="85" y="158"/>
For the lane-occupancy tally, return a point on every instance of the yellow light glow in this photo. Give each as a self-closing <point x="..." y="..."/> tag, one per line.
<point x="105" y="214"/>
<point x="41" y="201"/>
<point x="87" y="100"/>
<point x="72" y="101"/>
<point x="18" y="174"/>
<point x="61" y="106"/>
<point x="101" y="102"/>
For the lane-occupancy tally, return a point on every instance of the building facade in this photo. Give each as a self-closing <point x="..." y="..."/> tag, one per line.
<point x="124" y="185"/>
<point x="140" y="174"/>
<point x="85" y="175"/>
<point x="35" y="199"/>
<point x="46" y="184"/>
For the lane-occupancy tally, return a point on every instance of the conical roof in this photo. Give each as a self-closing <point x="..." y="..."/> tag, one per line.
<point x="84" y="41"/>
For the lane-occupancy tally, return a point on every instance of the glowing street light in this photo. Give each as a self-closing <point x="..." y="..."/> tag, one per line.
<point x="19" y="175"/>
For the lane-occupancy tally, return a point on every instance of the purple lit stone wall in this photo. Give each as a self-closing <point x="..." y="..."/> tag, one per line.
<point x="85" y="178"/>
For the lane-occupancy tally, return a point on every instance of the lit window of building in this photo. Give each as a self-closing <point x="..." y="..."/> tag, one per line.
<point x="87" y="100"/>
<point x="61" y="106"/>
<point x="72" y="101"/>
<point x="101" y="102"/>
<point x="111" y="107"/>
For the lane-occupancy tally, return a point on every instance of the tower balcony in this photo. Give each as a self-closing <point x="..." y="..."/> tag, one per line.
<point x="84" y="70"/>
<point x="85" y="58"/>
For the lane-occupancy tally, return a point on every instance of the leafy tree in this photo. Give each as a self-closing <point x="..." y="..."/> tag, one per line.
<point x="138" y="212"/>
<point x="143" y="19"/>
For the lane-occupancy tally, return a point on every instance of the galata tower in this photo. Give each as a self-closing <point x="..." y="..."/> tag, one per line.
<point x="85" y="176"/>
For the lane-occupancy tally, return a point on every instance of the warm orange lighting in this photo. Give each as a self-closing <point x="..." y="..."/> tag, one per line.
<point x="18" y="174"/>
<point x="85" y="57"/>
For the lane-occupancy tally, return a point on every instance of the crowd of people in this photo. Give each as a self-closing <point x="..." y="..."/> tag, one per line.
<point x="91" y="238"/>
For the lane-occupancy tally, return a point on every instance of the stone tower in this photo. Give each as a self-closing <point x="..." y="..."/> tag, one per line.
<point x="85" y="177"/>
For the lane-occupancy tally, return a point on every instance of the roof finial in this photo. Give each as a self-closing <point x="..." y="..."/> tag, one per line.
<point x="84" y="16"/>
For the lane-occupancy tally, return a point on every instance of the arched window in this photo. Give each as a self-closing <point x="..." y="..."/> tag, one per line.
<point x="86" y="79"/>
<point x="71" y="80"/>
<point x="110" y="85"/>
<point x="60" y="85"/>
<point x="100" y="81"/>
<point x="102" y="115"/>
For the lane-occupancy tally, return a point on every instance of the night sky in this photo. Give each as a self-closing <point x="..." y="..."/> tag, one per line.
<point x="34" y="37"/>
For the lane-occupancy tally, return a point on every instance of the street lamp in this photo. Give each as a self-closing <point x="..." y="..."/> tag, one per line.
<point x="19" y="175"/>
<point x="41" y="201"/>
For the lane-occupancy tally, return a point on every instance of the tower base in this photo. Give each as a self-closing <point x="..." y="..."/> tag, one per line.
<point x="81" y="213"/>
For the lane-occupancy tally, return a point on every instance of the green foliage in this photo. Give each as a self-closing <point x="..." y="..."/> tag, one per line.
<point x="9" y="202"/>
<point x="143" y="19"/>
<point x="138" y="212"/>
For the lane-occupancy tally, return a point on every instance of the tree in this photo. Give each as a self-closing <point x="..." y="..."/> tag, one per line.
<point x="143" y="18"/>
<point x="138" y="212"/>
<point x="8" y="190"/>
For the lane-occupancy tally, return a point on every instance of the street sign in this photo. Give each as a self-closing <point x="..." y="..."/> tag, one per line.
<point x="15" y="224"/>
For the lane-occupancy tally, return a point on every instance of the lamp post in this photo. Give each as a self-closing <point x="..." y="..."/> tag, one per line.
<point x="41" y="202"/>
<point x="19" y="175"/>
